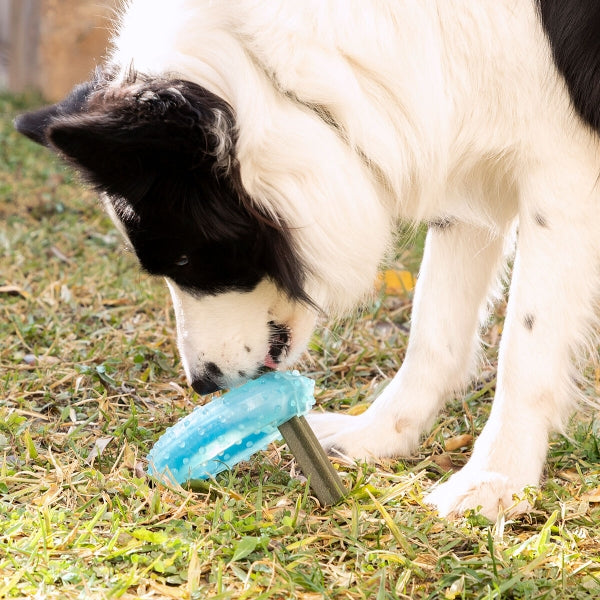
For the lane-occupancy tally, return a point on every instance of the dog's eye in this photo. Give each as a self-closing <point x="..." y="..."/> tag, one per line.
<point x="182" y="260"/>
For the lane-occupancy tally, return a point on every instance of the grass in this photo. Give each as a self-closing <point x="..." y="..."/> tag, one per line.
<point x="89" y="379"/>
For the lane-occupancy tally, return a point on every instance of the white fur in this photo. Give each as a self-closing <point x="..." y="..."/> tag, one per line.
<point x="237" y="336"/>
<point x="446" y="109"/>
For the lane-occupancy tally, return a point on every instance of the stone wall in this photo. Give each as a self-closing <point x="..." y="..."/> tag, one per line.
<point x="54" y="44"/>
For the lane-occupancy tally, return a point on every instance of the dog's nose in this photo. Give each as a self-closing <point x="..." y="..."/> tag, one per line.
<point x="205" y="385"/>
<point x="208" y="382"/>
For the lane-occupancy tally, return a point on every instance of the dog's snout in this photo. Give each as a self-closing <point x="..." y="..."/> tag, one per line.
<point x="205" y="385"/>
<point x="208" y="381"/>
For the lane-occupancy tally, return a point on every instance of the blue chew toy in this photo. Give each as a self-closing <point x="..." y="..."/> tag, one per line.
<point x="231" y="428"/>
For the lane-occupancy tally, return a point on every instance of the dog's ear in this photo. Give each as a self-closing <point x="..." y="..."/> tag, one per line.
<point x="130" y="135"/>
<point x="35" y="124"/>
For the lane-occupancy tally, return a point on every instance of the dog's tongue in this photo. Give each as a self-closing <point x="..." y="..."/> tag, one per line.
<point x="269" y="362"/>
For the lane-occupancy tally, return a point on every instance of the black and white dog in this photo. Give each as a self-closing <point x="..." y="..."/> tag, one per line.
<point x="259" y="156"/>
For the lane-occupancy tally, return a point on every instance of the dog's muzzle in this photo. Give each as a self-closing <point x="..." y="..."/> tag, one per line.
<point x="209" y="381"/>
<point x="279" y="342"/>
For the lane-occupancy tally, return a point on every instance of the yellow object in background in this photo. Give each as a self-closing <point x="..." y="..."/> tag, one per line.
<point x="395" y="282"/>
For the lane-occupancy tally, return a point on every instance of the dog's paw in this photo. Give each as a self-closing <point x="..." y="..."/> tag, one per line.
<point x="326" y="424"/>
<point x="362" y="438"/>
<point x="487" y="492"/>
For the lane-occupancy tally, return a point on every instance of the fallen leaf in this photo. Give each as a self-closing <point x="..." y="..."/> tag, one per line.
<point x="459" y="441"/>
<point x="444" y="462"/>
<point x="395" y="282"/>
<point x="47" y="497"/>
<point x="357" y="409"/>
<point x="129" y="456"/>
<point x="116" y="301"/>
<point x="60" y="255"/>
<point x="169" y="591"/>
<point x="456" y="589"/>
<point x="592" y="496"/>
<point x="14" y="290"/>
<point x="570" y="475"/>
<point x="99" y="446"/>
<point x="138" y="470"/>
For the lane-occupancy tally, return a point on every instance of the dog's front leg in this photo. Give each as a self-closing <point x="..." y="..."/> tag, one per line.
<point x="554" y="289"/>
<point x="460" y="268"/>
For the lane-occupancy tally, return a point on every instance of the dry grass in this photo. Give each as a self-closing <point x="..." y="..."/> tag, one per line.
<point x="89" y="378"/>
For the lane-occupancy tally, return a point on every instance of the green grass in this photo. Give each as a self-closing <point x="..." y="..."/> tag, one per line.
<point x="89" y="379"/>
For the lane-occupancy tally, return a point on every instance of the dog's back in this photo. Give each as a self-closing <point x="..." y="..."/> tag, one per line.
<point x="260" y="154"/>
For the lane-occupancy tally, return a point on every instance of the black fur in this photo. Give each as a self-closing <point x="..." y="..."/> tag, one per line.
<point x="573" y="28"/>
<point x="163" y="151"/>
<point x="35" y="124"/>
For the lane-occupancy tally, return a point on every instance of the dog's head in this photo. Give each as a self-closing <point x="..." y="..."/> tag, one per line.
<point x="162" y="154"/>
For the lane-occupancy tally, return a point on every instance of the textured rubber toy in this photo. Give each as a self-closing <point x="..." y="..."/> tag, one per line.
<point x="231" y="428"/>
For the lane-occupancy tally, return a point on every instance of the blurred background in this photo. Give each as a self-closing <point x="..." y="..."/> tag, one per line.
<point x="47" y="46"/>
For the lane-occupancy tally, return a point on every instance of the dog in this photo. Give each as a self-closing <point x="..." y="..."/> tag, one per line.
<point x="260" y="156"/>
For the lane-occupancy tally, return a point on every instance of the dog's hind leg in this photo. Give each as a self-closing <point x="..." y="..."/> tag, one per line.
<point x="460" y="269"/>
<point x="553" y="294"/>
